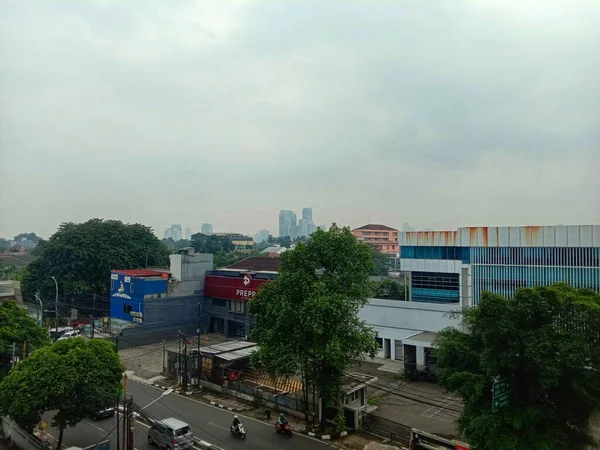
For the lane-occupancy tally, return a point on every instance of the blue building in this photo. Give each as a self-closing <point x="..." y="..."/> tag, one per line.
<point x="130" y="288"/>
<point x="457" y="266"/>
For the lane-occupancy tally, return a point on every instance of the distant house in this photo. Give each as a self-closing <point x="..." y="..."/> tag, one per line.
<point x="274" y="251"/>
<point x="381" y="237"/>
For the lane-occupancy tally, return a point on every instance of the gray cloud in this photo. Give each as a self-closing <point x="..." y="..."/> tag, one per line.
<point x="442" y="114"/>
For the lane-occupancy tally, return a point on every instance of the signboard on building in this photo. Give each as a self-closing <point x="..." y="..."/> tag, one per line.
<point x="244" y="287"/>
<point x="138" y="317"/>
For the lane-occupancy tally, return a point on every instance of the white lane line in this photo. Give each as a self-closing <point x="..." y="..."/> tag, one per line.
<point x="95" y="426"/>
<point x="239" y="414"/>
<point x="142" y="424"/>
<point x="218" y="426"/>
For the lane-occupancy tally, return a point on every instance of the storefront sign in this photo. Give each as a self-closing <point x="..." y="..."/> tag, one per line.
<point x="232" y="288"/>
<point x="245" y="294"/>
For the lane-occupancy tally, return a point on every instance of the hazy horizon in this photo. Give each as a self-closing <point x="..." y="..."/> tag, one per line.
<point x="442" y="114"/>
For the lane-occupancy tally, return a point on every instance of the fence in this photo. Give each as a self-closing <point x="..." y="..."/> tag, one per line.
<point x="394" y="431"/>
<point x="23" y="439"/>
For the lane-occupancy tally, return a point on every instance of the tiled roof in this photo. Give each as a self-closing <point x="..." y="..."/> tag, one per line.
<point x="17" y="259"/>
<point x="374" y="226"/>
<point x="257" y="263"/>
<point x="139" y="272"/>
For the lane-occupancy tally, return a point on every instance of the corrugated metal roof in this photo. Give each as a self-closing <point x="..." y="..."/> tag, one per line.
<point x="256" y="263"/>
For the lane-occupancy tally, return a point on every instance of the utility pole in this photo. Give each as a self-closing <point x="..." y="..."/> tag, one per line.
<point x="56" y="307"/>
<point x="185" y="364"/>
<point x="125" y="432"/>
<point x="94" y="308"/>
<point x="41" y="310"/>
<point x="24" y="349"/>
<point x="130" y="422"/>
<point x="198" y="360"/>
<point x="179" y="357"/>
<point x="93" y="324"/>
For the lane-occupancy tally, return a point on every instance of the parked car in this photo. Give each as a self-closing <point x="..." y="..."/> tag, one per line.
<point x="70" y="335"/>
<point x="103" y="414"/>
<point x="171" y="434"/>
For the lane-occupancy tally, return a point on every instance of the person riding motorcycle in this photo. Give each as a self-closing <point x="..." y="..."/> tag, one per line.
<point x="236" y="423"/>
<point x="282" y="421"/>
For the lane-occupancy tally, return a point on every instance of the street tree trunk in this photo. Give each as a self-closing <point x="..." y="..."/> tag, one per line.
<point x="60" y="438"/>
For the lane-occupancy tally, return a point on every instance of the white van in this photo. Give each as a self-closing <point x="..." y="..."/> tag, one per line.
<point x="70" y="335"/>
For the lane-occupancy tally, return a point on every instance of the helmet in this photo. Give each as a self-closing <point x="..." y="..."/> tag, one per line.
<point x="235" y="417"/>
<point x="281" y="415"/>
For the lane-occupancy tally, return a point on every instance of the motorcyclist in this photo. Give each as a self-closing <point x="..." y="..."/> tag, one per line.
<point x="282" y="421"/>
<point x="236" y="423"/>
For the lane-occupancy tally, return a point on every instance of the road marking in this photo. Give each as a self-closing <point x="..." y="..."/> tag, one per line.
<point x="142" y="424"/>
<point x="218" y="426"/>
<point x="239" y="414"/>
<point x="95" y="426"/>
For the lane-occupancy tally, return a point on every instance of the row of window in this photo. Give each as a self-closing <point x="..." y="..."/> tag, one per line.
<point x="518" y="256"/>
<point x="537" y="256"/>
<point x="505" y="280"/>
<point x="235" y="306"/>
<point x="435" y="252"/>
<point x="435" y="280"/>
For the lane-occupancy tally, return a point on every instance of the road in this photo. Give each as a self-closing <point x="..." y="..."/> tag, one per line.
<point x="208" y="423"/>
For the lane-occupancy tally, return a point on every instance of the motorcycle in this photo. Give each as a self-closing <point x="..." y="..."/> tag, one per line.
<point x="286" y="429"/>
<point x="239" y="432"/>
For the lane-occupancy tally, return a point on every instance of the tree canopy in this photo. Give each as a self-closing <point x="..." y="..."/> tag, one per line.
<point x="388" y="289"/>
<point x="544" y="341"/>
<point x="205" y="243"/>
<point x="75" y="378"/>
<point x="380" y="263"/>
<point x="16" y="326"/>
<point x="82" y="255"/>
<point x="307" y="320"/>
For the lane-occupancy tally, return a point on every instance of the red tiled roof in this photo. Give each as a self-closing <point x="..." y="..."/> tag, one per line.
<point x="257" y="263"/>
<point x="374" y="226"/>
<point x="139" y="272"/>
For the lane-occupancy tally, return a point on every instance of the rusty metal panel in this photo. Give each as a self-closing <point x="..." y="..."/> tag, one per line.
<point x="449" y="238"/>
<point x="573" y="236"/>
<point x="514" y="236"/>
<point x="525" y="236"/>
<point x="464" y="238"/>
<point x="492" y="237"/>
<point x="585" y="236"/>
<point x="503" y="237"/>
<point x="532" y="236"/>
<point x="560" y="236"/>
<point x="548" y="236"/>
<point x="595" y="235"/>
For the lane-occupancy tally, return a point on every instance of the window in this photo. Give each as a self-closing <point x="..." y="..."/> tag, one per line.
<point x="236" y="306"/>
<point x="131" y="288"/>
<point x="112" y="284"/>
<point x="221" y="302"/>
<point x="127" y="309"/>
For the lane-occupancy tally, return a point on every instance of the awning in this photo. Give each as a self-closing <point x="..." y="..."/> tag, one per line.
<point x="423" y="339"/>
<point x="237" y="354"/>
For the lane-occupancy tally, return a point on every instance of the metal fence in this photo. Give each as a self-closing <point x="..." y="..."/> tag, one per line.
<point x="394" y="431"/>
<point x="23" y="439"/>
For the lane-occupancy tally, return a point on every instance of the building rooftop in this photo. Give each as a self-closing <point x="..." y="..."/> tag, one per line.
<point x="257" y="263"/>
<point x="140" y="273"/>
<point x="16" y="259"/>
<point x="375" y="226"/>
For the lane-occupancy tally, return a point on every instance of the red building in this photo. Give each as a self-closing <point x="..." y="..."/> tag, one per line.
<point x="227" y="292"/>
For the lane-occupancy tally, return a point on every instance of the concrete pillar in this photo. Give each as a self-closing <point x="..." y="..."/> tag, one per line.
<point x="420" y="357"/>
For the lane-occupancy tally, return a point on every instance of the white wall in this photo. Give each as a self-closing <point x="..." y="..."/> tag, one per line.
<point x="190" y="271"/>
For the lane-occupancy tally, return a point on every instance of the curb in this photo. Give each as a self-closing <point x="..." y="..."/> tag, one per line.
<point x="324" y="437"/>
<point x="226" y="407"/>
<point x="160" y="386"/>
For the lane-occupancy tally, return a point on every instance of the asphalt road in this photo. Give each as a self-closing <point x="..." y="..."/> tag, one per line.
<point x="208" y="423"/>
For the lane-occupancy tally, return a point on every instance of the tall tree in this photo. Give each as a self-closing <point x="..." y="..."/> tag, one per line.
<point x="75" y="378"/>
<point x="82" y="255"/>
<point x="545" y="342"/>
<point x="211" y="243"/>
<point x="28" y="236"/>
<point x="4" y="244"/>
<point x="380" y="263"/>
<point x="17" y="327"/>
<point x="307" y="320"/>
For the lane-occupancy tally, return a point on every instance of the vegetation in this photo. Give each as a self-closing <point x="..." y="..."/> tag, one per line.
<point x="174" y="245"/>
<point x="545" y="342"/>
<point x="389" y="289"/>
<point x="284" y="241"/>
<point x="4" y="244"/>
<point x="82" y="255"/>
<point x="16" y="326"/>
<point x="75" y="378"/>
<point x="205" y="243"/>
<point x="307" y="320"/>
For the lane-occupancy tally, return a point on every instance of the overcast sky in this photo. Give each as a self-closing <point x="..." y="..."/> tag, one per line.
<point x="438" y="113"/>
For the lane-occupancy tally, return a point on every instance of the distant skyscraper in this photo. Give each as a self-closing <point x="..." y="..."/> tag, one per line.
<point x="307" y="214"/>
<point x="188" y="233"/>
<point x="177" y="232"/>
<point x="261" y="236"/>
<point x="168" y="233"/>
<point x="207" y="228"/>
<point x="288" y="224"/>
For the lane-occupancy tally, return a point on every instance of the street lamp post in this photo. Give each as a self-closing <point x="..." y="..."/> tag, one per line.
<point x="41" y="310"/>
<point x="56" y="307"/>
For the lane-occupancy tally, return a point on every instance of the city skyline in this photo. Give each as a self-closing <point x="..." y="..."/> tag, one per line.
<point x="487" y="118"/>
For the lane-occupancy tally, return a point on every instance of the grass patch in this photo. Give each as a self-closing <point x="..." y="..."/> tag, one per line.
<point x="400" y="376"/>
<point x="373" y="401"/>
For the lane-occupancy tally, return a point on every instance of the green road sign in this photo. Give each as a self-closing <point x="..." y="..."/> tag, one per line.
<point x="501" y="394"/>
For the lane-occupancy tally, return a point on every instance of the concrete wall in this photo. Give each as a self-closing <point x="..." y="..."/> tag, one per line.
<point x="22" y="439"/>
<point x="189" y="271"/>
<point x="172" y="310"/>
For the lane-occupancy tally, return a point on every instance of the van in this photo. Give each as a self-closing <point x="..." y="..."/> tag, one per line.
<point x="171" y="434"/>
<point x="70" y="335"/>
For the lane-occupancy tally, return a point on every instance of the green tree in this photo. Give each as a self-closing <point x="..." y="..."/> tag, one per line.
<point x="4" y="244"/>
<point x="38" y="250"/>
<point x="75" y="378"/>
<point x="28" y="236"/>
<point x="307" y="320"/>
<point x="17" y="327"/>
<point x="388" y="289"/>
<point x="380" y="263"/>
<point x="204" y="243"/>
<point x="545" y="341"/>
<point x="82" y="255"/>
<point x="285" y="241"/>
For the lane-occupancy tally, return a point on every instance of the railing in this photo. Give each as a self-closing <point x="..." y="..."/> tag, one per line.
<point x="394" y="431"/>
